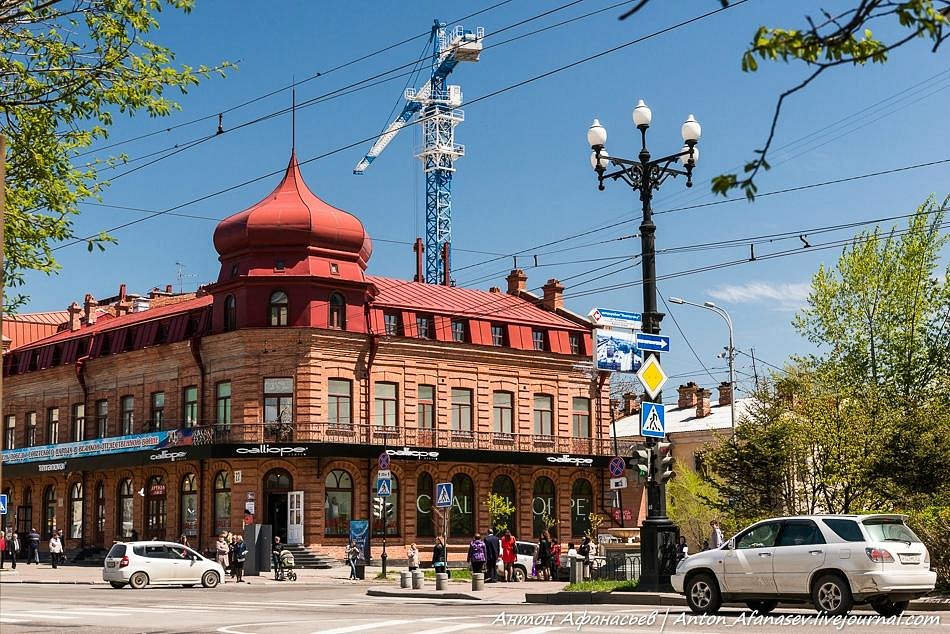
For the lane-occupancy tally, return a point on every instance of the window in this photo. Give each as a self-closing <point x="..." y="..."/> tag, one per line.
<point x="49" y="511"/>
<point x="458" y="331"/>
<point x="31" y="429"/>
<point x="24" y="514"/>
<point x="230" y="313"/>
<point x="425" y="407"/>
<point x="800" y="533"/>
<point x="124" y="509"/>
<point x="543" y="415"/>
<point x="461" y="409"/>
<point x="505" y="487"/>
<point x="386" y="511"/>
<point x="189" y="405"/>
<point x="278" y="308"/>
<point x="542" y="505"/>
<point x="155" y="508"/>
<point x="102" y="418"/>
<point x="462" y="517"/>
<point x="75" y="511"/>
<point x="158" y="411"/>
<point x="334" y="268"/>
<point x="582" y="501"/>
<point x="424" y="490"/>
<point x="127" y="405"/>
<point x="223" y="404"/>
<point x="9" y="434"/>
<point x="386" y="405"/>
<point x="100" y="513"/>
<point x="340" y="402"/>
<point x="574" y="340"/>
<point x="537" y="339"/>
<point x="338" y="503"/>
<point x="761" y="536"/>
<point x="580" y="418"/>
<point x="79" y="422"/>
<point x="222" y="502"/>
<point x="889" y="529"/>
<point x="391" y="323"/>
<point x="337" y="312"/>
<point x="497" y="335"/>
<point x="503" y="412"/>
<point x="848" y="530"/>
<point x="424" y="326"/>
<point x="279" y="406"/>
<point x="189" y="506"/>
<point x="52" y="425"/>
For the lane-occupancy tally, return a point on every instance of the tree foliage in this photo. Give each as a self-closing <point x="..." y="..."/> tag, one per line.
<point x="68" y="69"/>
<point x="500" y="511"/>
<point x="693" y="504"/>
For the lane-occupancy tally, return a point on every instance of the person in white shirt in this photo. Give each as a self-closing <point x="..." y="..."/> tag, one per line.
<point x="715" y="537"/>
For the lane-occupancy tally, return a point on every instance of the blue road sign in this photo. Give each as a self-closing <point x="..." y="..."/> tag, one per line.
<point x="617" y="466"/>
<point x="3" y="503"/>
<point x="653" y="420"/>
<point x="384" y="487"/>
<point x="653" y="343"/>
<point x="616" y="318"/>
<point x="443" y="495"/>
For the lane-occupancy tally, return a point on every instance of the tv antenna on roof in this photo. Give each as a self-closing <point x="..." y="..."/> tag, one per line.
<point x="181" y="275"/>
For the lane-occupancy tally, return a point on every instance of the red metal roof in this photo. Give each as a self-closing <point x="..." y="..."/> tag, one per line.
<point x="25" y="328"/>
<point x="464" y="302"/>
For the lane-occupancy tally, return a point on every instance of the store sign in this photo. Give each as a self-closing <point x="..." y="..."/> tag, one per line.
<point x="53" y="466"/>
<point x="168" y="455"/>
<point x="99" y="446"/>
<point x="156" y="490"/>
<point x="577" y="461"/>
<point x="272" y="450"/>
<point x="418" y="454"/>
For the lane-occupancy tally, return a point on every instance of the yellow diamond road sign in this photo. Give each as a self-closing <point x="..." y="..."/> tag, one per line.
<point x="652" y="376"/>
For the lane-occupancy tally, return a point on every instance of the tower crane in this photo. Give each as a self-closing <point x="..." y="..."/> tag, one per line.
<point x="436" y="104"/>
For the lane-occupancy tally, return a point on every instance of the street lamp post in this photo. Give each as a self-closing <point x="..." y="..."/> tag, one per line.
<point x="658" y="533"/>
<point x="731" y="352"/>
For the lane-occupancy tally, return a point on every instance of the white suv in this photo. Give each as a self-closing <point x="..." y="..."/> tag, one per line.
<point x="832" y="561"/>
<point x="139" y="564"/>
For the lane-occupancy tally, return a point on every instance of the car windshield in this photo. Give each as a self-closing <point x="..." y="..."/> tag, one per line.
<point x="882" y="530"/>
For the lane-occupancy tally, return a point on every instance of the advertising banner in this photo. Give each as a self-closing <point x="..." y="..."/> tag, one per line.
<point x="98" y="446"/>
<point x="359" y="533"/>
<point x="616" y="351"/>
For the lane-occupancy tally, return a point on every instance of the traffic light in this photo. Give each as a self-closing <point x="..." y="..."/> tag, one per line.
<point x="643" y="456"/>
<point x="663" y="463"/>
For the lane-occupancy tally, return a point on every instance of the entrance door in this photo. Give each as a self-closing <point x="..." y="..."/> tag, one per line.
<point x="295" y="517"/>
<point x="277" y="514"/>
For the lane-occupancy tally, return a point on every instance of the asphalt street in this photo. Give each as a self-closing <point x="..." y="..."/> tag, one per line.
<point x="343" y="610"/>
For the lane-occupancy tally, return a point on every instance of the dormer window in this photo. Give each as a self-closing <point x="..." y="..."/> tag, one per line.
<point x="334" y="268"/>
<point x="458" y="330"/>
<point x="574" y="339"/>
<point x="278" y="308"/>
<point x="337" y="312"/>
<point x="424" y="326"/>
<point x="537" y="338"/>
<point x="497" y="335"/>
<point x="391" y="323"/>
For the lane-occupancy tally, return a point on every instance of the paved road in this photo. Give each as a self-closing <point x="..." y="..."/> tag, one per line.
<point x="347" y="610"/>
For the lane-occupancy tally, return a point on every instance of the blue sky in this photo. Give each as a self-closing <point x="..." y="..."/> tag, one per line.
<point x="526" y="179"/>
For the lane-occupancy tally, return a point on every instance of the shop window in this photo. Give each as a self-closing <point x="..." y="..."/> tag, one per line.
<point x="503" y="408"/>
<point x="189" y="405"/>
<point x="543" y="506"/>
<point x="49" y="511"/>
<point x="124" y="520"/>
<point x="52" y="425"/>
<point x="462" y="517"/>
<point x="230" y="313"/>
<point x="30" y="430"/>
<point x="155" y="508"/>
<point x="75" y="511"/>
<point x="497" y="335"/>
<point x="338" y="503"/>
<point x="574" y="340"/>
<point x="222" y="502"/>
<point x="340" y="402"/>
<point x="127" y="406"/>
<point x="9" y="432"/>
<point x="582" y="502"/>
<point x="425" y="406"/>
<point x="425" y="527"/>
<point x="391" y="324"/>
<point x="580" y="417"/>
<point x="458" y="331"/>
<point x="189" y="506"/>
<point x="386" y="511"/>
<point x="461" y="409"/>
<point x="537" y="339"/>
<point x="278" y="308"/>
<point x="223" y="405"/>
<point x="102" y="418"/>
<point x="157" y="418"/>
<point x="337" y="312"/>
<point x="79" y="422"/>
<point x="387" y="405"/>
<point x="100" y="513"/>
<point x="505" y="487"/>
<point x="543" y="415"/>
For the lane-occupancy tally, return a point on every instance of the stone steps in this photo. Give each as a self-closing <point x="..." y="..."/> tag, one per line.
<point x="306" y="558"/>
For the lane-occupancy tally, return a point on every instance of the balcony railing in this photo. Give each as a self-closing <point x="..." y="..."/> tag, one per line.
<point x="360" y="434"/>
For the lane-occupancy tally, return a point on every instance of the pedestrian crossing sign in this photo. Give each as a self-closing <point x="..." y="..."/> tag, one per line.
<point x="653" y="420"/>
<point x="443" y="495"/>
<point x="384" y="488"/>
<point x="3" y="504"/>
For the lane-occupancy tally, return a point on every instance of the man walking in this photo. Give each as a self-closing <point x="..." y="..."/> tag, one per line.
<point x="33" y="554"/>
<point x="492" y="550"/>
<point x="240" y="554"/>
<point x="11" y="549"/>
<point x="715" y="536"/>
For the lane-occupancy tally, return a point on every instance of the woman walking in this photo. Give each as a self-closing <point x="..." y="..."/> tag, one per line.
<point x="544" y="556"/>
<point x="476" y="553"/>
<point x="352" y="554"/>
<point x="55" y="549"/>
<point x="508" y="555"/>
<point x="412" y="556"/>
<point x="240" y="554"/>
<point x="438" y="555"/>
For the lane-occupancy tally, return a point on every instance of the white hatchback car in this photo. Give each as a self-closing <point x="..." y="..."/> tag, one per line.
<point x="832" y="561"/>
<point x="139" y="564"/>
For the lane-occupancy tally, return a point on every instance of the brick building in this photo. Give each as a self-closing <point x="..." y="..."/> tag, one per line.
<point x="269" y="395"/>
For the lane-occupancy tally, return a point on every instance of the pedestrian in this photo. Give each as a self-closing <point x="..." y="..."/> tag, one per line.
<point x="240" y="554"/>
<point x="352" y="555"/>
<point x="412" y="556"/>
<point x="229" y="538"/>
<point x="221" y="550"/>
<point x="715" y="536"/>
<point x="11" y="549"/>
<point x="555" y="558"/>
<point x="438" y="555"/>
<point x="476" y="553"/>
<point x="682" y="549"/>
<point x="183" y="540"/>
<point x="584" y="553"/>
<point x="55" y="549"/>
<point x="275" y="556"/>
<point x="134" y="535"/>
<point x="33" y="554"/>
<point x="544" y="556"/>
<point x="492" y="551"/>
<point x="508" y="555"/>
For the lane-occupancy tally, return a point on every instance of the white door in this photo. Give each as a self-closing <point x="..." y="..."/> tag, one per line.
<point x="295" y="517"/>
<point x="799" y="551"/>
<point x="747" y="566"/>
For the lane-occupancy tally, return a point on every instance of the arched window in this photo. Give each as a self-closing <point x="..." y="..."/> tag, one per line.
<point x="278" y="308"/>
<point x="582" y="501"/>
<point x="424" y="490"/>
<point x="230" y="313"/>
<point x="189" y="506"/>
<point x="124" y="510"/>
<point x="155" y="508"/>
<point x="337" y="312"/>
<point x="505" y="487"/>
<point x="100" y="513"/>
<point x="25" y="512"/>
<point x="222" y="502"/>
<point x="49" y="511"/>
<point x="338" y="502"/>
<point x="462" y="522"/>
<point x="543" y="506"/>
<point x="386" y="510"/>
<point x="75" y="511"/>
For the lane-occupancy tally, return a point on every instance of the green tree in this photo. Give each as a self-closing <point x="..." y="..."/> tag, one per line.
<point x="500" y="511"/>
<point x="693" y="504"/>
<point x="68" y="69"/>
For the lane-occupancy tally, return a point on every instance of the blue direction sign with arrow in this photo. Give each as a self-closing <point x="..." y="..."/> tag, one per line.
<point x="443" y="495"/>
<point x="653" y="343"/>
<point x="653" y="420"/>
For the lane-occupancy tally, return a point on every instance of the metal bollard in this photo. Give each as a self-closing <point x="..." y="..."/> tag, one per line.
<point x="405" y="579"/>
<point x="441" y="581"/>
<point x="418" y="579"/>
<point x="577" y="569"/>
<point x="478" y="581"/>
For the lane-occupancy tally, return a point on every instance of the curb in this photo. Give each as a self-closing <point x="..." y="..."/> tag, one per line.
<point x="421" y="594"/>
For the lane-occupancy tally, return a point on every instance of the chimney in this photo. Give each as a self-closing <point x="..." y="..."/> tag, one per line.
<point x="123" y="306"/>
<point x="553" y="295"/>
<point x="517" y="281"/>
<point x="418" y="248"/>
<point x="703" y="407"/>
<point x="168" y="289"/>
<point x="687" y="396"/>
<point x="7" y="342"/>
<point x="630" y="403"/>
<point x="75" y="316"/>
<point x="725" y="393"/>
<point x="89" y="307"/>
<point x="122" y="290"/>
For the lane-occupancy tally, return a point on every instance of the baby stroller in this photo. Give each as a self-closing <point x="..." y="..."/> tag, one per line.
<point x="285" y="568"/>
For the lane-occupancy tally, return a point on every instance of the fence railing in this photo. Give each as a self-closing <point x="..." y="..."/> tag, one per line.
<point x="616" y="567"/>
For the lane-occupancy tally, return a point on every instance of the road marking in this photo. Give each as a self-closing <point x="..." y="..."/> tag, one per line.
<point x="366" y="626"/>
<point x="230" y="628"/>
<point x="43" y="615"/>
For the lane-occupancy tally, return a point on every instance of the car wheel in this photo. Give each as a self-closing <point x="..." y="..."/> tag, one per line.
<point x="831" y="595"/>
<point x="519" y="574"/>
<point x="762" y="607"/>
<point x="117" y="584"/>
<point x="210" y="579"/>
<point x="886" y="607"/>
<point x="702" y="594"/>
<point x="138" y="580"/>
